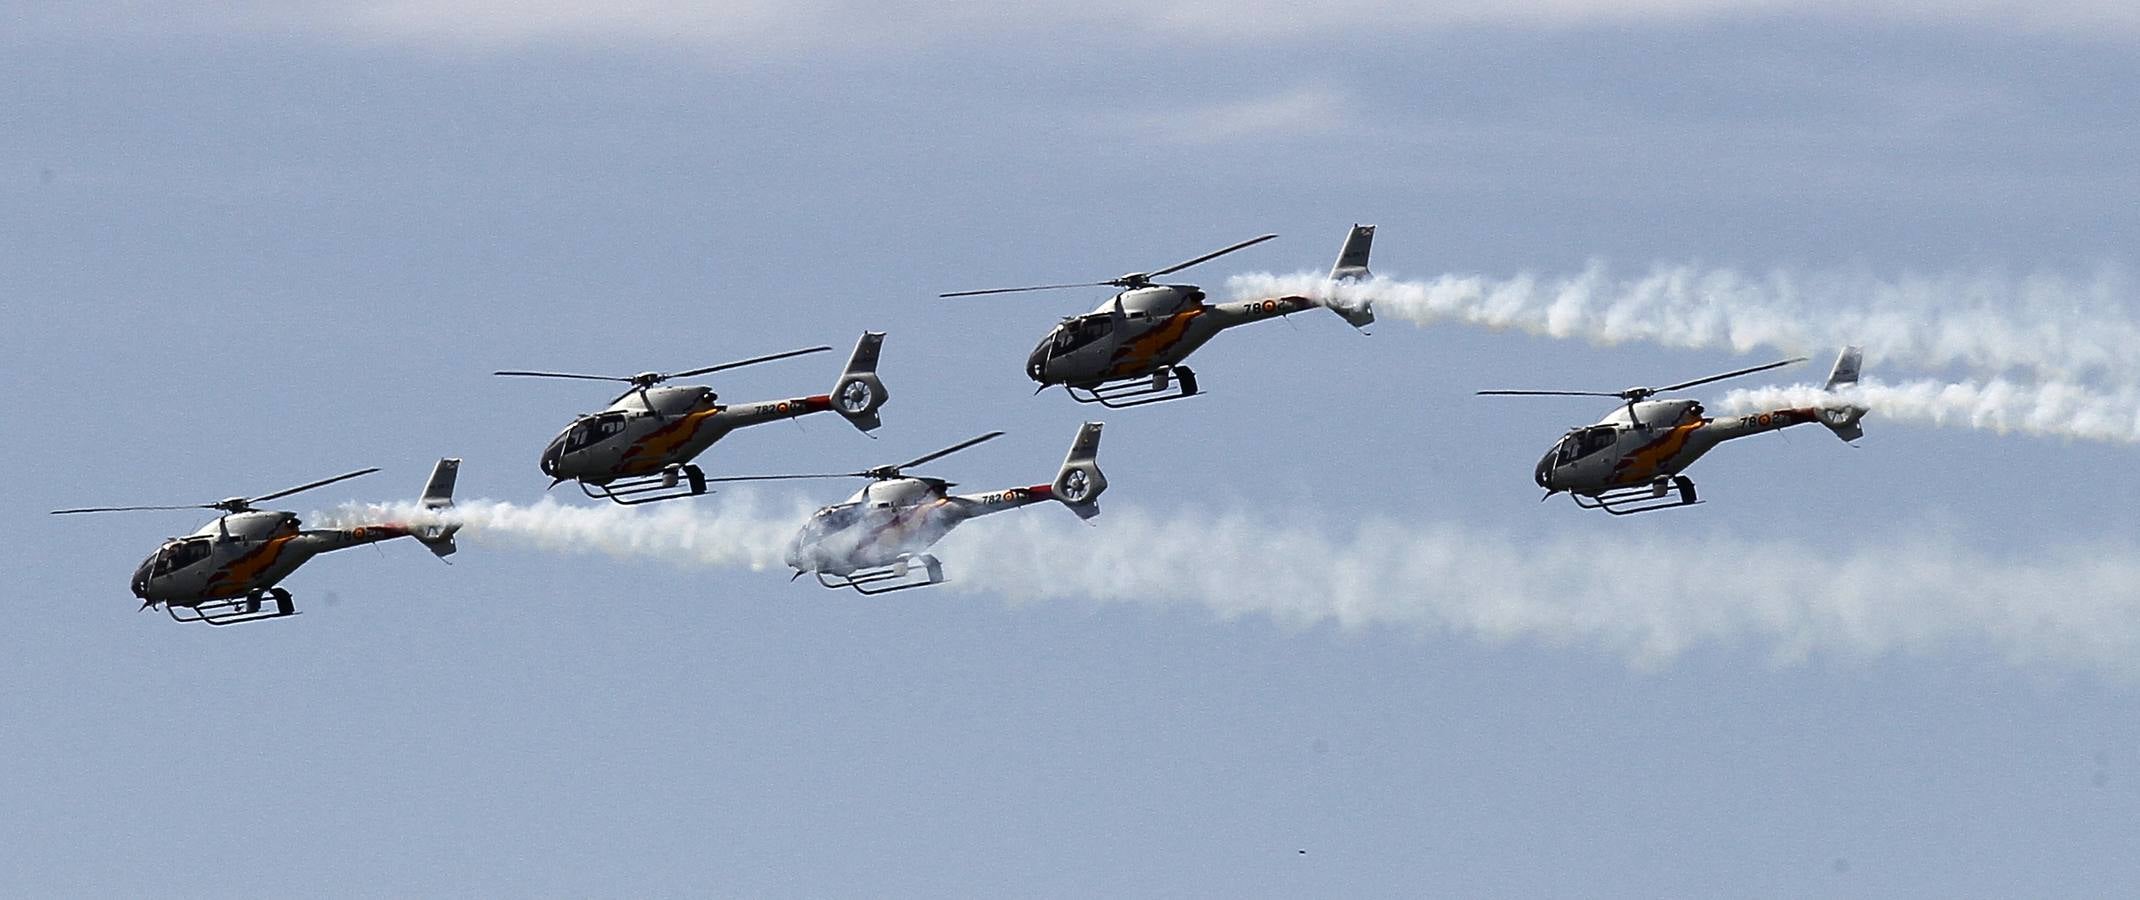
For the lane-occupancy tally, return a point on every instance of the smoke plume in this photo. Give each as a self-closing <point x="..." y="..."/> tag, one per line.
<point x="2067" y="607"/>
<point x="2044" y="327"/>
<point x="2056" y="409"/>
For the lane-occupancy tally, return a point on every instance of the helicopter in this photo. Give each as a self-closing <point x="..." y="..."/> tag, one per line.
<point x="1129" y="351"/>
<point x="222" y="572"/>
<point x="1631" y="460"/>
<point x="873" y="541"/>
<point x="639" y="449"/>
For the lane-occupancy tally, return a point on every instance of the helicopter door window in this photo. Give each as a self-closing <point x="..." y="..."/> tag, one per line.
<point x="1083" y="331"/>
<point x="594" y="431"/>
<point x="180" y="555"/>
<point x="1592" y="440"/>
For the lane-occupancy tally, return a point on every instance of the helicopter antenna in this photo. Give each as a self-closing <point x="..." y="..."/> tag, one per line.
<point x="1126" y="281"/>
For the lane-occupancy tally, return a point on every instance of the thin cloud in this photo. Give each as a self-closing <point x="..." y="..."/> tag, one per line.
<point x="1302" y="112"/>
<point x="755" y="28"/>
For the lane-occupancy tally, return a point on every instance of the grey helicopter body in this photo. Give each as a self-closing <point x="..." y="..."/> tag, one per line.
<point x="639" y="449"/>
<point x="225" y="571"/>
<point x="873" y="540"/>
<point x="1129" y="350"/>
<point x="1632" y="460"/>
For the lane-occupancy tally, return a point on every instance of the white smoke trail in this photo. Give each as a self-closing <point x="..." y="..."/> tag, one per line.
<point x="738" y="534"/>
<point x="2056" y="409"/>
<point x="2049" y="327"/>
<point x="2066" y="607"/>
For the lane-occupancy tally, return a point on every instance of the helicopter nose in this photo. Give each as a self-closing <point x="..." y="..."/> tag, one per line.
<point x="1544" y="473"/>
<point x="141" y="579"/>
<point x="1036" y="365"/>
<point x="553" y="458"/>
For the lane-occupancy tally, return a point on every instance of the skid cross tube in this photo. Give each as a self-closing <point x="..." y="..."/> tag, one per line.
<point x="686" y="481"/>
<point x="235" y="610"/>
<point x="932" y="572"/>
<point x="1126" y="393"/>
<point x="1654" y="495"/>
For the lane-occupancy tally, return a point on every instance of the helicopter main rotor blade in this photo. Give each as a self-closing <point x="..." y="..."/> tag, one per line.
<point x="1019" y="290"/>
<point x="1550" y="393"/>
<point x="947" y="451"/>
<point x="99" y="509"/>
<point x="565" y="375"/>
<point x="1215" y="254"/>
<point x="285" y="492"/>
<point x="1687" y="384"/>
<point x="789" y="477"/>
<point x="744" y="362"/>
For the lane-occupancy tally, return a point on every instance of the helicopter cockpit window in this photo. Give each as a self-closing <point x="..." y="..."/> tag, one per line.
<point x="594" y="431"/>
<point x="838" y="517"/>
<point x="1079" y="332"/>
<point x="1585" y="442"/>
<point x="180" y="555"/>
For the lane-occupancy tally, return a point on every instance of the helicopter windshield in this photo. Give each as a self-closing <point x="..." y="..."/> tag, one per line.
<point x="1584" y="442"/>
<point x="594" y="431"/>
<point x="1082" y="331"/>
<point x="180" y="554"/>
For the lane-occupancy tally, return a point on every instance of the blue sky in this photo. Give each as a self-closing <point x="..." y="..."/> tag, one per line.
<point x="264" y="244"/>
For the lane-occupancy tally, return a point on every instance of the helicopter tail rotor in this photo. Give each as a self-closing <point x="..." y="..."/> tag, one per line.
<point x="1079" y="484"/>
<point x="1843" y="419"/>
<point x="859" y="391"/>
<point x="1352" y="266"/>
<point x="436" y="536"/>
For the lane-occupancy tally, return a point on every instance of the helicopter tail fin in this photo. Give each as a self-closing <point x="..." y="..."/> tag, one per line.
<point x="437" y="537"/>
<point x="859" y="391"/>
<point x="1080" y="482"/>
<point x="1352" y="266"/>
<point x="1843" y="419"/>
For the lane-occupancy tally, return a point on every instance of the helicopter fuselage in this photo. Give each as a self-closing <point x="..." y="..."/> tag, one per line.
<point x="646" y="431"/>
<point x="1647" y="441"/>
<point x="1142" y="331"/>
<point x="242" y="553"/>
<point x="892" y="519"/>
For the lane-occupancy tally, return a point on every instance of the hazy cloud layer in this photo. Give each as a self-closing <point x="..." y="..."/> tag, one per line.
<point x="754" y="28"/>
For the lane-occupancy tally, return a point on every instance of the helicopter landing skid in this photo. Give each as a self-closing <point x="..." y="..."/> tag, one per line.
<point x="1137" y="391"/>
<point x="1663" y="493"/>
<point x="236" y="610"/>
<point x="862" y="580"/>
<point x="672" y="483"/>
